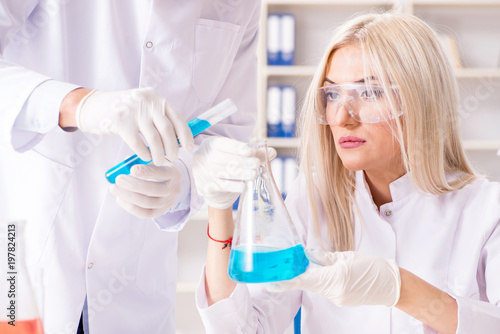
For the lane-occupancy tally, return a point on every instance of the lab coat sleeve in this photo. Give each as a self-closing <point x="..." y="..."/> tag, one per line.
<point x="40" y="114"/>
<point x="241" y="86"/>
<point x="480" y="316"/>
<point x="249" y="309"/>
<point x="30" y="100"/>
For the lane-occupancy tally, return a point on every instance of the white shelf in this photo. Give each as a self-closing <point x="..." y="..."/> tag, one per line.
<point x="482" y="145"/>
<point x="289" y="71"/>
<point x="473" y="73"/>
<point x="283" y="142"/>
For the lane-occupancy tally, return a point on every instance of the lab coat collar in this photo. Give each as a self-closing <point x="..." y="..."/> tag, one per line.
<point x="400" y="188"/>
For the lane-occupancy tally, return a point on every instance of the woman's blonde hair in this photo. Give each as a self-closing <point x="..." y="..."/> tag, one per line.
<point x="401" y="50"/>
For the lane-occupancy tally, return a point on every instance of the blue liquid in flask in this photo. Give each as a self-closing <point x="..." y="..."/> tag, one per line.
<point x="265" y="264"/>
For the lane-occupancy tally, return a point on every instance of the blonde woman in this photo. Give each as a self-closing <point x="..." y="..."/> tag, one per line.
<point x="405" y="237"/>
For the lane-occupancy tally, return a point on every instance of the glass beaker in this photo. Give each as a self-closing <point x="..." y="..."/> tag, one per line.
<point x="17" y="300"/>
<point x="266" y="246"/>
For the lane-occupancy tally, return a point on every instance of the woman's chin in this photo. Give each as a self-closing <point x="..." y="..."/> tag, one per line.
<point x="353" y="165"/>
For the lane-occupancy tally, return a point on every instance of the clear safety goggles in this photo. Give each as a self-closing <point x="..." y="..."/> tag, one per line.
<point x="366" y="103"/>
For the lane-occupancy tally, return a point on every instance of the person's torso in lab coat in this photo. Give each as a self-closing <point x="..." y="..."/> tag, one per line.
<point x="81" y="242"/>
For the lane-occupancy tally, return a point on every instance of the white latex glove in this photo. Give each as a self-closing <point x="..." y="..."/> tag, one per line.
<point x="133" y="113"/>
<point x="220" y="165"/>
<point x="149" y="191"/>
<point x="348" y="279"/>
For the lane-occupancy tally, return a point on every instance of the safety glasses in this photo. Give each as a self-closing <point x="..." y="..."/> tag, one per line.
<point x="366" y="103"/>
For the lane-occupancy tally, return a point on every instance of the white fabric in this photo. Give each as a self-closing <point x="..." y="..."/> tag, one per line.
<point x="133" y="113"/>
<point x="40" y="112"/>
<point x="81" y="242"/>
<point x="451" y="241"/>
<point x="347" y="279"/>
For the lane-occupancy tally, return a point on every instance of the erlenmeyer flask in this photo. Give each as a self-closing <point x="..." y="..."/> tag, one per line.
<point x="17" y="300"/>
<point x="266" y="246"/>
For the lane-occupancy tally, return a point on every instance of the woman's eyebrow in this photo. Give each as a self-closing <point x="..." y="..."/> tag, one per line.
<point x="358" y="81"/>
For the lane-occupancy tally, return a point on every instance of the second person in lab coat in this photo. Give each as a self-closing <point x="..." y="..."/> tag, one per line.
<point x="112" y="252"/>
<point x="404" y="237"/>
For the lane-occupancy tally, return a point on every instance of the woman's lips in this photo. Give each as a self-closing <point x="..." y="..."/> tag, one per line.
<point x="351" y="142"/>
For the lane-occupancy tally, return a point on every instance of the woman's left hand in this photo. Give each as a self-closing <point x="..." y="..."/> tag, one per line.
<point x="348" y="279"/>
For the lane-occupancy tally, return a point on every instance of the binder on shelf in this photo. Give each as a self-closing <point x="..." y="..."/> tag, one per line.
<point x="281" y="111"/>
<point x="287" y="39"/>
<point x="280" y="39"/>
<point x="284" y="170"/>
<point x="273" y="39"/>
<point x="273" y="111"/>
<point x="288" y="111"/>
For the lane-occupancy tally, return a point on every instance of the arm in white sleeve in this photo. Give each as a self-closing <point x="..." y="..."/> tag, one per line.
<point x="241" y="86"/>
<point x="480" y="316"/>
<point x="249" y="309"/>
<point x="30" y="101"/>
<point x="22" y="116"/>
<point x="40" y="114"/>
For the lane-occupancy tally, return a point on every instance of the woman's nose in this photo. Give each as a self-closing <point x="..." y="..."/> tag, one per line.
<point x="343" y="117"/>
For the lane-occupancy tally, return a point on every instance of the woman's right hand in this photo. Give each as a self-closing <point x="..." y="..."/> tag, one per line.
<point x="220" y="167"/>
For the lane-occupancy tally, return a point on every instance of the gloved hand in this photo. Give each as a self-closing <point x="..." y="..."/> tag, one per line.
<point x="220" y="165"/>
<point x="132" y="113"/>
<point x="348" y="279"/>
<point x="149" y="191"/>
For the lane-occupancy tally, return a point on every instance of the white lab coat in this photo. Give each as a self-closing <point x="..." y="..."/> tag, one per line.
<point x="451" y="241"/>
<point x="80" y="242"/>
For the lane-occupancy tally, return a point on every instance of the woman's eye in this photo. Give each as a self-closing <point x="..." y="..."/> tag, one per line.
<point x="372" y="94"/>
<point x="332" y="96"/>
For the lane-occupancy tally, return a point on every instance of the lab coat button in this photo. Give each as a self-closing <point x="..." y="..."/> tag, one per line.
<point x="149" y="44"/>
<point x="90" y="265"/>
<point x="388" y="213"/>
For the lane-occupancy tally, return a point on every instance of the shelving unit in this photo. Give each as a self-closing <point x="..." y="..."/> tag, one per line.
<point x="473" y="23"/>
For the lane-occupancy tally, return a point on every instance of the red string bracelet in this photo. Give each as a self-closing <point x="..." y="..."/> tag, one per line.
<point x="227" y="243"/>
